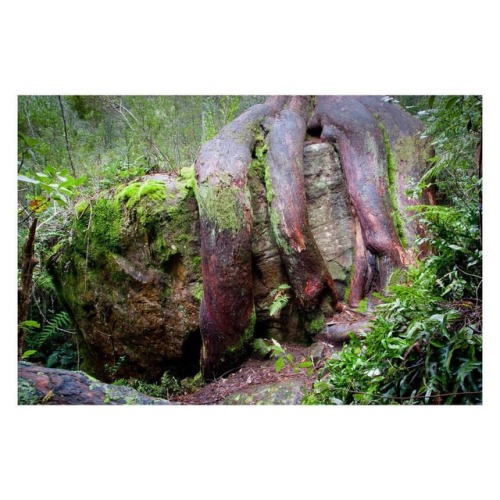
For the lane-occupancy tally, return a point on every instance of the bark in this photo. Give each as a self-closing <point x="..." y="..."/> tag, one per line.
<point x="306" y="269"/>
<point x="338" y="333"/>
<point x="376" y="142"/>
<point x="39" y="385"/>
<point x="347" y="123"/>
<point x="28" y="263"/>
<point x="227" y="313"/>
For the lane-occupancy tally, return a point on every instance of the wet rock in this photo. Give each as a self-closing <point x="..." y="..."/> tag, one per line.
<point x="289" y="392"/>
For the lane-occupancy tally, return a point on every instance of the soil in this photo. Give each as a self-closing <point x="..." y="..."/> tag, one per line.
<point x="257" y="371"/>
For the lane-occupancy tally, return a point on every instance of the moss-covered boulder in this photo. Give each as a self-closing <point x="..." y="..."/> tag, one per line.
<point x="130" y="275"/>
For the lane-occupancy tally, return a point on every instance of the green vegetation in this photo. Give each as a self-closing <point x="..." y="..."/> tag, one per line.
<point x="391" y="179"/>
<point x="84" y="187"/>
<point x="280" y="297"/>
<point x="425" y="344"/>
<point x="221" y="205"/>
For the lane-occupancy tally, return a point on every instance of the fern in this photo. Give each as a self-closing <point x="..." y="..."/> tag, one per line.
<point x="280" y="299"/>
<point x="60" y="321"/>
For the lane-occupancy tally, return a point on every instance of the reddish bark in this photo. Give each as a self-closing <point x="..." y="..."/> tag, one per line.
<point x="408" y="154"/>
<point x="361" y="129"/>
<point x="346" y="122"/>
<point x="359" y="281"/>
<point x="306" y="269"/>
<point x="227" y="309"/>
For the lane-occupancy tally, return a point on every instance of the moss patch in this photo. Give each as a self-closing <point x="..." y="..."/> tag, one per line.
<point x="392" y="182"/>
<point x="26" y="393"/>
<point x="132" y="194"/>
<point x="314" y="323"/>
<point x="221" y="204"/>
<point x="246" y="339"/>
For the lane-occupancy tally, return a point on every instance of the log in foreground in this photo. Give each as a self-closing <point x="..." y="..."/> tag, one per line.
<point x="40" y="385"/>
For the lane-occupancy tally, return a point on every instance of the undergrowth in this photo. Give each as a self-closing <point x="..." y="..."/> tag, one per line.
<point x="425" y="344"/>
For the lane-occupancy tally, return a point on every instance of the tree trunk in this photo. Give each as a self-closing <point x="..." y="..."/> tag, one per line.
<point x="39" y="385"/>
<point x="375" y="141"/>
<point x="28" y="263"/>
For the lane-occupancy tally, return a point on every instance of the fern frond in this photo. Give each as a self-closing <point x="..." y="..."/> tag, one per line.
<point x="60" y="321"/>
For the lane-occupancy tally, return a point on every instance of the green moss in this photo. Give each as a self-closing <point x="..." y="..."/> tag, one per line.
<point x="221" y="204"/>
<point x="197" y="291"/>
<point x="187" y="181"/>
<point x="98" y="231"/>
<point x="363" y="305"/>
<point x="246" y="338"/>
<point x="315" y="324"/>
<point x="81" y="207"/>
<point x="269" y="185"/>
<point x="278" y="236"/>
<point x="132" y="194"/>
<point x="26" y="393"/>
<point x="196" y="263"/>
<point x="392" y="182"/>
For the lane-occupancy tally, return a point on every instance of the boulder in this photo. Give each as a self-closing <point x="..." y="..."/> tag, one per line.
<point x="129" y="272"/>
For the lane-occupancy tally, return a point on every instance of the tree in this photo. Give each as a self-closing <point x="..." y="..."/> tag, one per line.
<point x="380" y="148"/>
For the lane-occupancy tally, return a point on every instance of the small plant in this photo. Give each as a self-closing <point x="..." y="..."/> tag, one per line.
<point x="276" y="350"/>
<point x="165" y="388"/>
<point x="112" y="370"/>
<point x="280" y="297"/>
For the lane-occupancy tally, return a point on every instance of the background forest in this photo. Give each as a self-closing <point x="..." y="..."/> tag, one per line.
<point x="426" y="343"/>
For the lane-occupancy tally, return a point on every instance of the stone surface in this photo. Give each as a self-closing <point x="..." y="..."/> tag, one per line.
<point x="329" y="209"/>
<point x="130" y="276"/>
<point x="51" y="386"/>
<point x="290" y="392"/>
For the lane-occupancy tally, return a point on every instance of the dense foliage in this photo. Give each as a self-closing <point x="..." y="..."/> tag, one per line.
<point x="425" y="343"/>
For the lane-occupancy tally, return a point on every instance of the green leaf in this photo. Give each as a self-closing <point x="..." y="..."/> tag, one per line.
<point x="29" y="324"/>
<point x="27" y="354"/>
<point x="24" y="178"/>
<point x="304" y="364"/>
<point x="456" y="247"/>
<point x="280" y="363"/>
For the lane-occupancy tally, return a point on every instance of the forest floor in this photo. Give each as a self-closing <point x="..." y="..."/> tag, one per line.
<point x="256" y="371"/>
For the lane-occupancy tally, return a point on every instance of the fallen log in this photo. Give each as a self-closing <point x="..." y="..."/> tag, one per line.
<point x="335" y="333"/>
<point x="51" y="386"/>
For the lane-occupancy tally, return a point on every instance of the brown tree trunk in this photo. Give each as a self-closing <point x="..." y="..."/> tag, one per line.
<point x="376" y="142"/>
<point x="305" y="267"/>
<point x="28" y="263"/>
<point x="227" y="313"/>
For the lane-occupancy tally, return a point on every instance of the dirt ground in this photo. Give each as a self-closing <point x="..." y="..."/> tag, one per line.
<point x="256" y="371"/>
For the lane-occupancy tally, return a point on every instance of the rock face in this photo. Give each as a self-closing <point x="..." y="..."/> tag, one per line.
<point x="51" y="386"/>
<point x="130" y="271"/>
